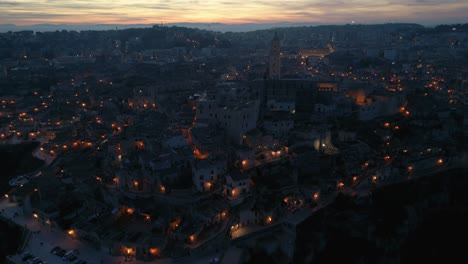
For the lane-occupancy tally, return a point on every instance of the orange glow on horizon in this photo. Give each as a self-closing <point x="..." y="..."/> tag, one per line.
<point x="212" y="11"/>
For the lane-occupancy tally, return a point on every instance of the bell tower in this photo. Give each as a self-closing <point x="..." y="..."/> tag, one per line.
<point x="275" y="61"/>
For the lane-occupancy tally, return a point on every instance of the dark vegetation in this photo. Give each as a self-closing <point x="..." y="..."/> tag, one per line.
<point x="17" y="160"/>
<point x="368" y="232"/>
<point x="10" y="235"/>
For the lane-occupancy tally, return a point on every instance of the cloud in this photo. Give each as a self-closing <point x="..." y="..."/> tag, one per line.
<point x="228" y="11"/>
<point x="157" y="7"/>
<point x="424" y="2"/>
<point x="9" y="3"/>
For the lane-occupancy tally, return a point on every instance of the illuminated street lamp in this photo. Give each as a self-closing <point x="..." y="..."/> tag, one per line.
<point x="153" y="251"/>
<point x="128" y="254"/>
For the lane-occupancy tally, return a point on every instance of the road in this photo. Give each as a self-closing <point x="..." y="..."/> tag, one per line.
<point x="44" y="238"/>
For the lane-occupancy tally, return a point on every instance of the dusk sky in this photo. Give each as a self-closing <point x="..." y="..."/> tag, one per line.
<point x="28" y="12"/>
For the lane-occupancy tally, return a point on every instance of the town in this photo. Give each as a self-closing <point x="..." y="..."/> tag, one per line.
<point x="179" y="145"/>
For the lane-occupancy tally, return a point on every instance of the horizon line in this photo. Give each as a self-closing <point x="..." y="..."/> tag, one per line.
<point x="243" y="23"/>
<point x="200" y="25"/>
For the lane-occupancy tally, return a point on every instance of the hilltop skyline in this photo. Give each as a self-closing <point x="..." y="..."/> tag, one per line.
<point x="426" y="12"/>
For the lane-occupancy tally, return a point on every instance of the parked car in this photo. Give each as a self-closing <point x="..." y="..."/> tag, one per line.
<point x="38" y="261"/>
<point x="61" y="253"/>
<point x="72" y="258"/>
<point x="33" y="260"/>
<point x="55" y="249"/>
<point x="67" y="255"/>
<point x="27" y="256"/>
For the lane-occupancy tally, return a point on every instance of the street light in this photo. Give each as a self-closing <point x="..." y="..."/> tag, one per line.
<point x="127" y="254"/>
<point x="153" y="251"/>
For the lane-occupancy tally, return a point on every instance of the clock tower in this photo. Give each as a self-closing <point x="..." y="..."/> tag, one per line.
<point x="275" y="62"/>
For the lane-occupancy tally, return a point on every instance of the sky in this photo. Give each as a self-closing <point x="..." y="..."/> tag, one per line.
<point x="29" y="12"/>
